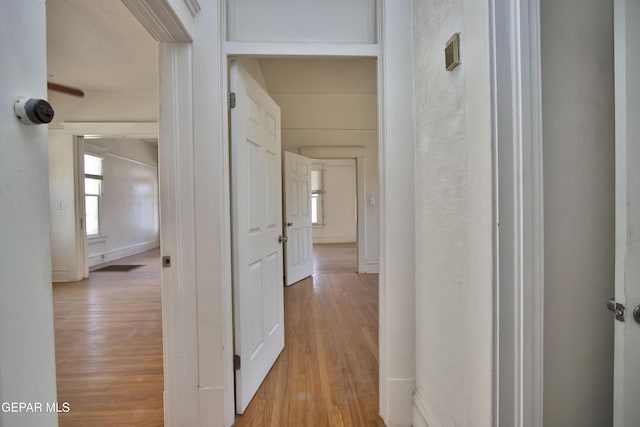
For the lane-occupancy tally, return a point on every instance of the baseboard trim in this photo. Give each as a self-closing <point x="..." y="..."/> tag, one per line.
<point x="423" y="416"/>
<point x="400" y="391"/>
<point x="108" y="256"/>
<point x="334" y="239"/>
<point x="372" y="267"/>
<point x="211" y="405"/>
<point x="60" y="275"/>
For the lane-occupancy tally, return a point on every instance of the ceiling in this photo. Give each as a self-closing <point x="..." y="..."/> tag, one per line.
<point x="99" y="47"/>
<point x="332" y="76"/>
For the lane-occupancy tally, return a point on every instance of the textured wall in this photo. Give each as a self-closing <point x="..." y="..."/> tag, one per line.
<point x="578" y="134"/>
<point x="453" y="167"/>
<point x="441" y="212"/>
<point x="129" y="214"/>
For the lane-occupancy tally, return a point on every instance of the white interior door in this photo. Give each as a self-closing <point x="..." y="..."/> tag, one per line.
<point x="297" y="178"/>
<point x="627" y="332"/>
<point x="257" y="226"/>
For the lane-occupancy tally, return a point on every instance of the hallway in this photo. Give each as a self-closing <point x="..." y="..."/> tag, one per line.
<point x="327" y="374"/>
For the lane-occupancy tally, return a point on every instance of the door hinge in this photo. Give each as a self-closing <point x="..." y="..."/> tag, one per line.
<point x="232" y="100"/>
<point x="236" y="362"/>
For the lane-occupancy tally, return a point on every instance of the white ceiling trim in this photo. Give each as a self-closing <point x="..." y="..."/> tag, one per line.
<point x="110" y="129"/>
<point x="301" y="49"/>
<point x="160" y="19"/>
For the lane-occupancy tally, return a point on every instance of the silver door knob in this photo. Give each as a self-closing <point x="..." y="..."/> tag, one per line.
<point x="282" y="239"/>
<point x="636" y="314"/>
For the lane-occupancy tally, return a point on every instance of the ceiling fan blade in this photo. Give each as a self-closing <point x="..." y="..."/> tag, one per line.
<point x="65" y="89"/>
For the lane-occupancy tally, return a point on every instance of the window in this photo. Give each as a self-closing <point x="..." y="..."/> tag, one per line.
<point x="92" y="193"/>
<point x="316" y="195"/>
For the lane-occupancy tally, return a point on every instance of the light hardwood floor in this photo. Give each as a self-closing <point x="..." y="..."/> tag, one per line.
<point x="109" y="349"/>
<point x="108" y="333"/>
<point x="335" y="258"/>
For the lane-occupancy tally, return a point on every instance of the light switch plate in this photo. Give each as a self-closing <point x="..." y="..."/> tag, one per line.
<point x="452" y="52"/>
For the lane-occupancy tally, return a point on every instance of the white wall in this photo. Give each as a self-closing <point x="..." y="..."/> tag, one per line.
<point x="252" y="65"/>
<point x="27" y="354"/>
<point x="62" y="208"/>
<point x="328" y="21"/>
<point x="129" y="214"/>
<point x="130" y="226"/>
<point x="453" y="217"/>
<point x="338" y="202"/>
<point x="578" y="135"/>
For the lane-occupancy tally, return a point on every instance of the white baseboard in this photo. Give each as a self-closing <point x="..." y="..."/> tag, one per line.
<point x="211" y="406"/>
<point x="60" y="275"/>
<point x="334" y="239"/>
<point x="372" y="267"/>
<point x="115" y="254"/>
<point x="400" y="391"/>
<point x="423" y="416"/>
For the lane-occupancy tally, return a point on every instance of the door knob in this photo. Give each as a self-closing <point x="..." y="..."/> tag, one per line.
<point x="289" y="224"/>
<point x="282" y="239"/>
<point x="636" y="314"/>
<point x="618" y="310"/>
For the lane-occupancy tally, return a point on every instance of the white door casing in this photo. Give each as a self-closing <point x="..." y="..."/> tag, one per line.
<point x="627" y="259"/>
<point x="299" y="247"/>
<point x="82" y="250"/>
<point x="256" y="230"/>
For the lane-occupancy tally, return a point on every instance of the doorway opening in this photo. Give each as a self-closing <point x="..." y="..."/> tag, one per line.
<point x="104" y="193"/>
<point x="118" y="181"/>
<point x="334" y="206"/>
<point x="329" y="114"/>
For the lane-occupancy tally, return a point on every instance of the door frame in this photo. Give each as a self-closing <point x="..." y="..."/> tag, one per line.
<point x="518" y="213"/>
<point x="80" y="132"/>
<point x="395" y="117"/>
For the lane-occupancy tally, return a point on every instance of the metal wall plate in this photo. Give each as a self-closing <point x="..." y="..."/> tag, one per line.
<point x="452" y="52"/>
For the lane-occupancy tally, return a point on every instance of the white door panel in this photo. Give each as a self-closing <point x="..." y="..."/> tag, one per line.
<point x="627" y="332"/>
<point x="297" y="178"/>
<point x="257" y="226"/>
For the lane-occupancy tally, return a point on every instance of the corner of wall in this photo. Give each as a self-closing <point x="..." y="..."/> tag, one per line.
<point x="401" y="391"/>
